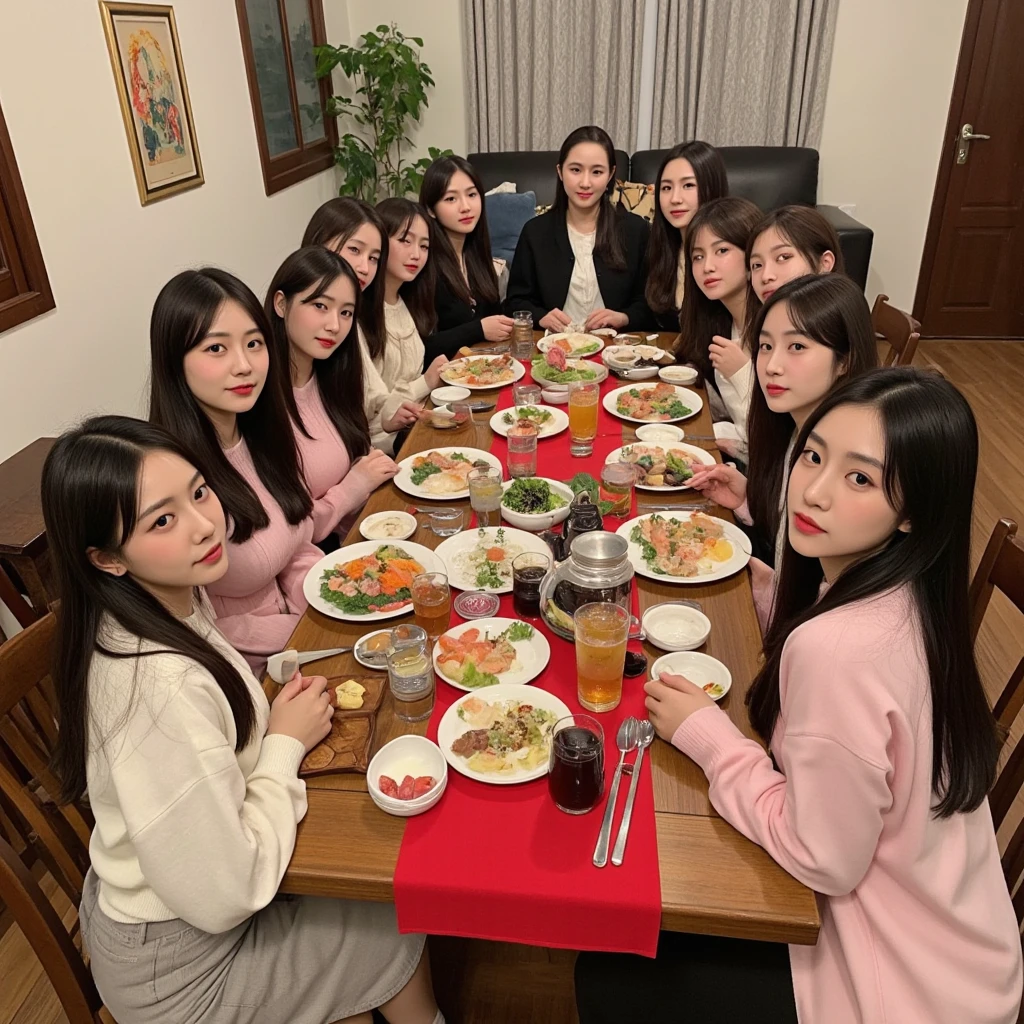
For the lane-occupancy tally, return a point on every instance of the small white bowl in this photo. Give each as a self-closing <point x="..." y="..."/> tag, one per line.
<point x="408" y="522"/>
<point x="450" y="393"/>
<point x="377" y="661"/>
<point x="678" y="374"/>
<point x="620" y="356"/>
<point x="534" y="523"/>
<point x="676" y="627"/>
<point x="649" y="432"/>
<point x="637" y="372"/>
<point x="698" y="668"/>
<point x="555" y="394"/>
<point x="407" y="755"/>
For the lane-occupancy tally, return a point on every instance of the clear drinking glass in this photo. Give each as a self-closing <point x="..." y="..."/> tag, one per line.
<point x="601" y="633"/>
<point x="576" y="764"/>
<point x="485" y="495"/>
<point x="522" y="449"/>
<point x="526" y="394"/>
<point x="522" y="334"/>
<point x="617" y="482"/>
<point x="583" y="399"/>
<point x="446" y="522"/>
<point x="411" y="673"/>
<point x="432" y="603"/>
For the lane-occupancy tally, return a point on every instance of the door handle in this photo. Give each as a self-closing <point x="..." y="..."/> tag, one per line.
<point x="967" y="136"/>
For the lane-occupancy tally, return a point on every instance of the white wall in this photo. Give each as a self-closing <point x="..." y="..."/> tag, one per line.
<point x="888" y="97"/>
<point x="107" y="256"/>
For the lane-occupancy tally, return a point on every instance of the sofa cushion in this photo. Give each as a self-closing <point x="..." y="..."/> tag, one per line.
<point x="533" y="172"/>
<point x="636" y="197"/>
<point x="506" y="214"/>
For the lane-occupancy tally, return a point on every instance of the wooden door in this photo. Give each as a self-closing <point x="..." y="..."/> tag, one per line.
<point x="971" y="283"/>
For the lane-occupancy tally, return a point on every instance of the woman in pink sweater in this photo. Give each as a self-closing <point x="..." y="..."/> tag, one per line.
<point x="883" y="746"/>
<point x="311" y="305"/>
<point x="213" y="387"/>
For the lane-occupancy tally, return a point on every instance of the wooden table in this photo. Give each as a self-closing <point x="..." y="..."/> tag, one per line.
<point x="713" y="880"/>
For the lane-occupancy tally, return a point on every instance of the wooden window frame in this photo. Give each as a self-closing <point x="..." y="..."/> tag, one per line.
<point x="32" y="295"/>
<point x="305" y="160"/>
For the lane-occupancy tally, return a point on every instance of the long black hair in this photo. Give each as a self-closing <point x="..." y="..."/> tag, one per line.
<point x="397" y="216"/>
<point x="336" y="221"/>
<point x="831" y="310"/>
<point x="666" y="240"/>
<point x="931" y="462"/>
<point x="182" y="316"/>
<point x="482" y="280"/>
<point x="608" y="243"/>
<point x="90" y="498"/>
<point x="339" y="377"/>
<point x="730" y="219"/>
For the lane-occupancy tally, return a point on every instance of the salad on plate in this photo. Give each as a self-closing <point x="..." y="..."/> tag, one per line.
<point x="378" y="582"/>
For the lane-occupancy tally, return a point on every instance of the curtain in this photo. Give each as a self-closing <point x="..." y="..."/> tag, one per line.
<point x="742" y="72"/>
<point x="537" y="69"/>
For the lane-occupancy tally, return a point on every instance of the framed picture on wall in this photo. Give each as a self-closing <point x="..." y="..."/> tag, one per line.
<point x="150" y="77"/>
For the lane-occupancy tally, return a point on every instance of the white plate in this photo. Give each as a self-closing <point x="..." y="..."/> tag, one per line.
<point x="518" y="373"/>
<point x="531" y="655"/>
<point x="537" y="521"/>
<point x="451" y="727"/>
<point x="350" y="552"/>
<point x="377" y="666"/>
<point x="403" y="479"/>
<point x="689" y="398"/>
<point x="451" y="547"/>
<point x="740" y="553"/>
<point x="559" y="421"/>
<point x="577" y="341"/>
<point x="408" y="528"/>
<point x="678" y="374"/>
<point x="706" y="457"/>
<point x="599" y="369"/>
<point x="451" y="393"/>
<point x="698" y="668"/>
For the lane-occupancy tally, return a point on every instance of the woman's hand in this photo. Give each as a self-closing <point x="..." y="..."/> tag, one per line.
<point x="302" y="710"/>
<point x="724" y="485"/>
<point x="404" y="416"/>
<point x="606" y="318"/>
<point x="670" y="702"/>
<point x="728" y="357"/>
<point x="373" y="469"/>
<point x="554" y="321"/>
<point x="497" y="328"/>
<point x="433" y="372"/>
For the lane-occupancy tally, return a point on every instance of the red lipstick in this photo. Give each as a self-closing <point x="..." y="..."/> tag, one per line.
<point x="243" y="389"/>
<point x="327" y="342"/>
<point x="774" y="390"/>
<point x="805" y="524"/>
<point x="212" y="557"/>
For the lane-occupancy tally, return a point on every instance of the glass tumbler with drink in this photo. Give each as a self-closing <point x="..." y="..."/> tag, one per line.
<point x="522" y="334"/>
<point x="583" y="399"/>
<point x="411" y="673"/>
<point x="617" y="481"/>
<point x="432" y="603"/>
<point x="526" y="394"/>
<point x="485" y="495"/>
<point x="522" y="449"/>
<point x="528" y="572"/>
<point x="601" y="633"/>
<point x="576" y="764"/>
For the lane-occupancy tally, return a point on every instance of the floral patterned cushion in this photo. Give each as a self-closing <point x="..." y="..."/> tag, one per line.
<point x="636" y="197"/>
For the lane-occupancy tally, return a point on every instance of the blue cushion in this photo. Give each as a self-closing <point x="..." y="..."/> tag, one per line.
<point x="506" y="214"/>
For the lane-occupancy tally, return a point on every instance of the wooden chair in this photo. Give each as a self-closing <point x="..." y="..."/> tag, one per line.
<point x="896" y="328"/>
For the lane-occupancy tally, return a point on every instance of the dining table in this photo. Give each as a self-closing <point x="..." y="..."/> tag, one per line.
<point x="714" y="881"/>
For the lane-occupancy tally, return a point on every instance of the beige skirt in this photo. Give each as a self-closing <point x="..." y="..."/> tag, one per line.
<point x="300" y="960"/>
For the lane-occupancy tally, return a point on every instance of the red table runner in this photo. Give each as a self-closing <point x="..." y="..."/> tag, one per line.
<point x="502" y="862"/>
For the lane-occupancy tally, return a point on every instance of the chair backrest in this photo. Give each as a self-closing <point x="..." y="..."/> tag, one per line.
<point x="58" y="835"/>
<point x="898" y="329"/>
<point x="1006" y="789"/>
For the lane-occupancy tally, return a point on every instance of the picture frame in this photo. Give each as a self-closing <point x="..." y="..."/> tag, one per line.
<point x="145" y="56"/>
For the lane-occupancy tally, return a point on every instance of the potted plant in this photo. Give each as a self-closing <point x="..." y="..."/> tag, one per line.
<point x="391" y="83"/>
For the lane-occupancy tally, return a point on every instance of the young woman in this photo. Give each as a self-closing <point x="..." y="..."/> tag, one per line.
<point x="691" y="173"/>
<point x="352" y="229"/>
<point x="311" y="305"/>
<point x="217" y="386"/>
<point x="714" y="311"/>
<point x="582" y="262"/>
<point x="191" y="776"/>
<point x="883" y="747"/>
<point x="466" y="291"/>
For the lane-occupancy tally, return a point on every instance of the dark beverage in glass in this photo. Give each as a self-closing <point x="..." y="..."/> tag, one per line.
<point x="528" y="572"/>
<point x="576" y="765"/>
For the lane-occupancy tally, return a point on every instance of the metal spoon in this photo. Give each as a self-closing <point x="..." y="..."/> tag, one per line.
<point x="644" y="740"/>
<point x="626" y="740"/>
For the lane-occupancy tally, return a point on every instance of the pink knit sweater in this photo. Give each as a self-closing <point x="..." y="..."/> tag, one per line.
<point x="259" y="600"/>
<point x="917" y="925"/>
<point x="337" y="494"/>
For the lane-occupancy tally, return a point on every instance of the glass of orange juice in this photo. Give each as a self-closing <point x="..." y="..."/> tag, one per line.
<point x="432" y="603"/>
<point x="601" y="633"/>
<point x="583" y="399"/>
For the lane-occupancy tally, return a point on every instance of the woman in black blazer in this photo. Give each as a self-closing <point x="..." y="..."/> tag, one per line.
<point x="466" y="290"/>
<point x="583" y="261"/>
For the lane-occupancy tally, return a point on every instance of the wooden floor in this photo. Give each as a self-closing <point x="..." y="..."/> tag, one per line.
<point x="991" y="375"/>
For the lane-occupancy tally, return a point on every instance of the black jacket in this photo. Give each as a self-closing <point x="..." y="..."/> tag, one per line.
<point x="542" y="267"/>
<point x="458" y="323"/>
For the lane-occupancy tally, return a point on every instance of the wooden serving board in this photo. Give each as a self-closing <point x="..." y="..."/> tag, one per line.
<point x="349" y="745"/>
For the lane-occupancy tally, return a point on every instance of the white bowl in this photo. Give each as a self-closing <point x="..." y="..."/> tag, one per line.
<point x="620" y="356"/>
<point x="676" y="627"/>
<point x="649" y="433"/>
<point x="407" y="755"/>
<point x="408" y="522"/>
<point x="698" y="668"/>
<point x="637" y="372"/>
<point x="556" y="394"/>
<point x="678" y="374"/>
<point x="536" y="522"/>
<point x="449" y="393"/>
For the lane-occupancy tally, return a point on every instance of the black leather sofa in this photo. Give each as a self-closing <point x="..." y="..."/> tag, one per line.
<point x="770" y="176"/>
